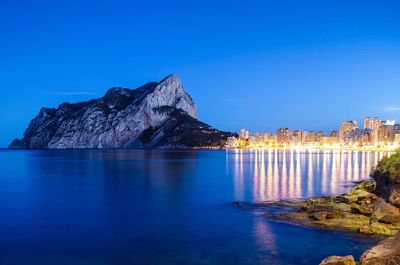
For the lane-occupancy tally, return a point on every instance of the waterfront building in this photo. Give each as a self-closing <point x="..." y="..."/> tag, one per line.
<point x="373" y="124"/>
<point x="243" y="134"/>
<point x="386" y="133"/>
<point x="334" y="136"/>
<point x="311" y="137"/>
<point x="232" y="142"/>
<point x="397" y="128"/>
<point x="268" y="137"/>
<point x="299" y="137"/>
<point x="389" y="122"/>
<point x="320" y="136"/>
<point x="345" y="131"/>
<point x="283" y="135"/>
<point x="397" y="138"/>
<point x="256" y="139"/>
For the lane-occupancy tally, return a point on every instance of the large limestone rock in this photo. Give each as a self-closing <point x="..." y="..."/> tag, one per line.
<point x="116" y="120"/>
<point x="387" y="252"/>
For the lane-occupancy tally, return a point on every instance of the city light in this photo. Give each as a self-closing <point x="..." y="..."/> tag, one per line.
<point x="376" y="135"/>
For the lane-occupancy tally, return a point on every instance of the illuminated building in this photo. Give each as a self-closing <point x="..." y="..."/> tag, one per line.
<point x="397" y="138"/>
<point x="389" y="122"/>
<point x="320" y="136"/>
<point x="311" y="136"/>
<point x="397" y="128"/>
<point x="386" y="134"/>
<point x="232" y="142"/>
<point x="283" y="135"/>
<point x="334" y="135"/>
<point x="268" y="137"/>
<point x="243" y="134"/>
<point x="256" y="139"/>
<point x="345" y="131"/>
<point x="299" y="136"/>
<point x="373" y="124"/>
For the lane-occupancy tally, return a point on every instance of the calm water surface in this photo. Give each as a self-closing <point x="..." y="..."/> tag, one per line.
<point x="168" y="207"/>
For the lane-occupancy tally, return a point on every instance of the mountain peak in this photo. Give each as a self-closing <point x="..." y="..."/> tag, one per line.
<point x="171" y="78"/>
<point x="171" y="88"/>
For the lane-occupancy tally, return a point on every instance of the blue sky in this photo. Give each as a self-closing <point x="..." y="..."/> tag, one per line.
<point x="255" y="64"/>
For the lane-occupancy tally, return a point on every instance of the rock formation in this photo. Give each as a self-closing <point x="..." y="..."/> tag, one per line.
<point x="338" y="260"/>
<point x="155" y="115"/>
<point x="387" y="177"/>
<point x="386" y="252"/>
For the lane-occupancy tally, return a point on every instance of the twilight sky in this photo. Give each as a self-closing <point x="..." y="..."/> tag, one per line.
<point x="258" y="64"/>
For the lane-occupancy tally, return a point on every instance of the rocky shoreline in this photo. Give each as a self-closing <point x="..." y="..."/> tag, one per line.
<point x="370" y="208"/>
<point x="359" y="210"/>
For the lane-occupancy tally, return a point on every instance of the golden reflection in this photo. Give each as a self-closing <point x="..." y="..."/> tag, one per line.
<point x="356" y="170"/>
<point x="335" y="165"/>
<point x="324" y="177"/>
<point x="262" y="177"/>
<point x="298" y="177"/>
<point x="284" y="176"/>
<point x="255" y="176"/>
<point x="292" y="183"/>
<point x="271" y="175"/>
<point x="310" y="173"/>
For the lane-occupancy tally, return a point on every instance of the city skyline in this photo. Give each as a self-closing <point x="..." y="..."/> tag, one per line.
<point x="374" y="132"/>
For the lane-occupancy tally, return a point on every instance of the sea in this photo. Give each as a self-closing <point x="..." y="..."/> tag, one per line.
<point x="170" y="207"/>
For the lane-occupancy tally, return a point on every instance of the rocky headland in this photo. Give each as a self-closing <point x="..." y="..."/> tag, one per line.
<point x="155" y="115"/>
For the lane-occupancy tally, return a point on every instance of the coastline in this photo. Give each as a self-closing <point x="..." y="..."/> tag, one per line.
<point x="359" y="210"/>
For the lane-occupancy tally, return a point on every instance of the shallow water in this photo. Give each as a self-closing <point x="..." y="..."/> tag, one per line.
<point x="168" y="207"/>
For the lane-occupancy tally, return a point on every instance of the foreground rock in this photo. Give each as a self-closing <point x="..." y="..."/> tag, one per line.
<point x="338" y="260"/>
<point x="358" y="210"/>
<point x="155" y="115"/>
<point x="387" y="252"/>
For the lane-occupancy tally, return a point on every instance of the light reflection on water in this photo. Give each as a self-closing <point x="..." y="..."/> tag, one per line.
<point x="273" y="175"/>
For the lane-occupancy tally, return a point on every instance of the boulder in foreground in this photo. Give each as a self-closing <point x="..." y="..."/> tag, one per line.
<point x="338" y="260"/>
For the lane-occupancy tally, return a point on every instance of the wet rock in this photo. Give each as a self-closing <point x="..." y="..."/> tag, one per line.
<point x="338" y="260"/>
<point x="376" y="228"/>
<point x="362" y="209"/>
<point x="390" y="219"/>
<point x="386" y="252"/>
<point x="364" y="212"/>
<point x="319" y="216"/>
<point x="334" y="215"/>
<point x="382" y="209"/>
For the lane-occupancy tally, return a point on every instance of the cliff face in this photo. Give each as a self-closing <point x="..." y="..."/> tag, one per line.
<point x="116" y="120"/>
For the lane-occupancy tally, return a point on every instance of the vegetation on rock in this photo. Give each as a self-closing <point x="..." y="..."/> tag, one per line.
<point x="388" y="169"/>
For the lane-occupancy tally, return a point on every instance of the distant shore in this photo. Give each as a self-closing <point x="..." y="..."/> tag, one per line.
<point x="320" y="148"/>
